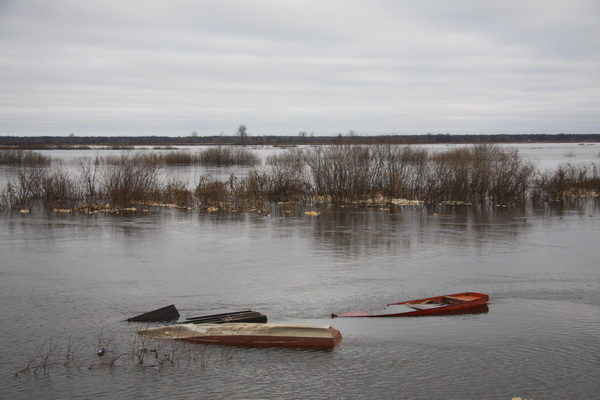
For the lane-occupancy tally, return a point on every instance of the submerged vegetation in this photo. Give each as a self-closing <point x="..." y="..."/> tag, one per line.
<point x="335" y="174"/>
<point x="54" y="356"/>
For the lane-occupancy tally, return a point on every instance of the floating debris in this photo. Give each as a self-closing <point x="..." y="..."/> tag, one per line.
<point x="167" y="205"/>
<point x="590" y="193"/>
<point x="456" y="203"/>
<point x="406" y="202"/>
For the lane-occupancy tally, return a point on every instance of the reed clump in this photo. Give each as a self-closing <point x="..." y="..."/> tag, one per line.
<point x="180" y="157"/>
<point x="213" y="156"/>
<point x="24" y="158"/>
<point x="226" y="156"/>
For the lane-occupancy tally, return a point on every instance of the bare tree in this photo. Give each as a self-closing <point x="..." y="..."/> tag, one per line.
<point x="242" y="133"/>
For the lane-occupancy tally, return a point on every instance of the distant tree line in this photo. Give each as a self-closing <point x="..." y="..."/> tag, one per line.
<point x="243" y="138"/>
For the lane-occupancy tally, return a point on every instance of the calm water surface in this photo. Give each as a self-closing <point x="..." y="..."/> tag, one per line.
<point x="71" y="278"/>
<point x="79" y="277"/>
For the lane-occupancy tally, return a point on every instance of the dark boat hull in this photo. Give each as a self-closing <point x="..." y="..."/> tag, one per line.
<point x="458" y="303"/>
<point x="168" y="313"/>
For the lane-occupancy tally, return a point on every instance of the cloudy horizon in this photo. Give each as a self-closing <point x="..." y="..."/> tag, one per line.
<point x="281" y="67"/>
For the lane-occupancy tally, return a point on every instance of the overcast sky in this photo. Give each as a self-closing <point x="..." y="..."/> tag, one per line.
<point x="280" y="67"/>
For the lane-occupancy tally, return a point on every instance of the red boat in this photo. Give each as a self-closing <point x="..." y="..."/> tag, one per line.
<point x="458" y="303"/>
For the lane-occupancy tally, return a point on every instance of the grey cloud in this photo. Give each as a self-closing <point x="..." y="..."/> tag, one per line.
<point x="373" y="66"/>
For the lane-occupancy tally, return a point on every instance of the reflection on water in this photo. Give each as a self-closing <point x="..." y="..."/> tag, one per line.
<point x="77" y="276"/>
<point x="367" y="230"/>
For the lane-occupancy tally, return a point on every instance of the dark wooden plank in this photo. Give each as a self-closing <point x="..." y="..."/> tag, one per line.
<point x="236" y="316"/>
<point x="220" y="315"/>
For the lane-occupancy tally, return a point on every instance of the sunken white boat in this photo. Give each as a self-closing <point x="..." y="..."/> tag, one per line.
<point x="250" y="335"/>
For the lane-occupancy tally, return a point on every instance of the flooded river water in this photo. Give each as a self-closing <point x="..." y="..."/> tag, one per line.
<point x="68" y="282"/>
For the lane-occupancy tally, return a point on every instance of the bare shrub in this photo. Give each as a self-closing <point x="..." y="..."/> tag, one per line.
<point x="59" y="190"/>
<point x="478" y="173"/>
<point x="351" y="173"/>
<point x="254" y="187"/>
<point x="340" y="173"/>
<point x="108" y="352"/>
<point x="248" y="193"/>
<point x="73" y="352"/>
<point x="153" y="352"/>
<point x="568" y="180"/>
<point x="285" y="180"/>
<point x="43" y="359"/>
<point x="54" y="356"/>
<point x="398" y="170"/>
<point x="132" y="178"/>
<point x="8" y="197"/>
<point x="139" y="349"/>
<point x="212" y="193"/>
<point x="437" y="182"/>
<point x="89" y="171"/>
<point x="176" y="192"/>
<point x="511" y="176"/>
<point x="26" y="187"/>
<point x="5" y="197"/>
